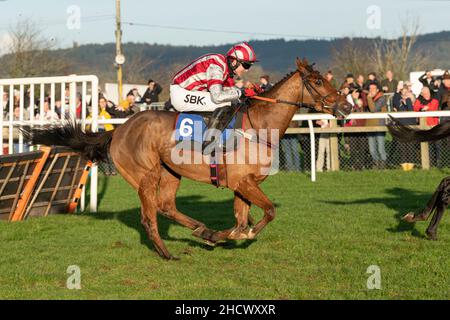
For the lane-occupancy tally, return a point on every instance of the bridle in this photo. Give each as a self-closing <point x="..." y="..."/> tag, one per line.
<point x="313" y="92"/>
<point x="316" y="95"/>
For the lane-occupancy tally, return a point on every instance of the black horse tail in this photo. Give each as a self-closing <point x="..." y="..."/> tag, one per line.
<point x="405" y="133"/>
<point x="92" y="145"/>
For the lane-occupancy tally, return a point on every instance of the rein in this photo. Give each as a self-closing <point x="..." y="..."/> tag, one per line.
<point x="296" y="104"/>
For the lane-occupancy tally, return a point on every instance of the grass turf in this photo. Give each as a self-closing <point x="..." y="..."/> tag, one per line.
<point x="325" y="236"/>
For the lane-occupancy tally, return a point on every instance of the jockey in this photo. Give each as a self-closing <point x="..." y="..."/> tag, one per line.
<point x="207" y="84"/>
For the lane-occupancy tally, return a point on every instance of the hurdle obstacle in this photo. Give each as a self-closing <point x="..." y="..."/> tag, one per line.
<point x="40" y="183"/>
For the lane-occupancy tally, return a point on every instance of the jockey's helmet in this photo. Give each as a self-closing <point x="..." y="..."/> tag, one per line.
<point x="242" y="52"/>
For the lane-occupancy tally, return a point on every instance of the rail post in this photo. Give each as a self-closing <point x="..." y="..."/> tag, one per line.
<point x="334" y="147"/>
<point x="424" y="148"/>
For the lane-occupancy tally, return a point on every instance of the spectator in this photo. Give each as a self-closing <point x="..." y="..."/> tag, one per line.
<point x="445" y="91"/>
<point x="349" y="82"/>
<point x="330" y="78"/>
<point x="16" y="117"/>
<point x="402" y="102"/>
<point x="427" y="80"/>
<point x="137" y="96"/>
<point x="104" y="115"/>
<point x="152" y="93"/>
<point x="324" y="147"/>
<point x="290" y="152"/>
<point x="356" y="143"/>
<point x="345" y="90"/>
<point x="411" y="94"/>
<point x="48" y="114"/>
<point x="435" y="90"/>
<point x="5" y="104"/>
<point x="354" y="98"/>
<point x="425" y="102"/>
<point x="59" y="111"/>
<point x="125" y="109"/>
<point x="371" y="78"/>
<point x="16" y="114"/>
<point x="376" y="102"/>
<point x="389" y="85"/>
<point x="78" y="104"/>
<point x="359" y="84"/>
<point x="67" y="96"/>
<point x="264" y="83"/>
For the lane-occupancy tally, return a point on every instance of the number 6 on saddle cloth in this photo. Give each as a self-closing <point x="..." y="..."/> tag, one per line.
<point x="193" y="127"/>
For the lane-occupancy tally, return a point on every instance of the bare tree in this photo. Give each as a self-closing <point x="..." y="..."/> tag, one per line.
<point x="351" y="57"/>
<point x="30" y="53"/>
<point x="136" y="69"/>
<point x="399" y="55"/>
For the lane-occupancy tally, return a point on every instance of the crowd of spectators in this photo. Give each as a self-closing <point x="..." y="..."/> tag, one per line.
<point x="374" y="95"/>
<point x="365" y="94"/>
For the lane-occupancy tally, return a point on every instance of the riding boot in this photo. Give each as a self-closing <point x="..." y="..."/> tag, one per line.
<point x="221" y="117"/>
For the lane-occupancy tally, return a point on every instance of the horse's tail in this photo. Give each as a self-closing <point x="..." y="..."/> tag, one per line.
<point x="407" y="134"/>
<point x="92" y="145"/>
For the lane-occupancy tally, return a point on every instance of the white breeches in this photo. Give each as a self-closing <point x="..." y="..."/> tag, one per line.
<point x="184" y="100"/>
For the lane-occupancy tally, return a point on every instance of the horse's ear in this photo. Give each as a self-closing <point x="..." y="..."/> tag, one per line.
<point x="299" y="63"/>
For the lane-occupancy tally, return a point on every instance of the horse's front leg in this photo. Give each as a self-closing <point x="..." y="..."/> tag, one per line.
<point x="241" y="213"/>
<point x="249" y="189"/>
<point x="238" y="232"/>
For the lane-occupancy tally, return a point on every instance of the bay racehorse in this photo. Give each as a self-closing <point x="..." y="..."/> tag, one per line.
<point x="141" y="149"/>
<point x="440" y="199"/>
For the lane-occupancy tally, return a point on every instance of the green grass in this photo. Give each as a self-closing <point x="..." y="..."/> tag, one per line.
<point x="320" y="245"/>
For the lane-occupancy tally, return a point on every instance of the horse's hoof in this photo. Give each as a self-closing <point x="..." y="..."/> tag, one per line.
<point x="203" y="233"/>
<point x="431" y="236"/>
<point x="171" y="257"/>
<point x="209" y="243"/>
<point x="251" y="235"/>
<point x="409" y="217"/>
<point x="237" y="234"/>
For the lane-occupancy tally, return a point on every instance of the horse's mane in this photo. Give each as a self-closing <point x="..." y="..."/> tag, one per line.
<point x="308" y="67"/>
<point x="279" y="83"/>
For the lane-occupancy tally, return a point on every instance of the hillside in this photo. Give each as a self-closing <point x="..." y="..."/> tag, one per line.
<point x="277" y="57"/>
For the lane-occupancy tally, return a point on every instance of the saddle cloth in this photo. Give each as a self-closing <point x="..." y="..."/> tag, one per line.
<point x="192" y="126"/>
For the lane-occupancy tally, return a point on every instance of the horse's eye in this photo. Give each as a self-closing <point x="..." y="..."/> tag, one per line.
<point x="319" y="82"/>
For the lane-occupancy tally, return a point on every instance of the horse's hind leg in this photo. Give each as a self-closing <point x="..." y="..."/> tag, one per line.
<point x="441" y="190"/>
<point x="432" y="228"/>
<point x="442" y="203"/>
<point x="168" y="187"/>
<point x="148" y="194"/>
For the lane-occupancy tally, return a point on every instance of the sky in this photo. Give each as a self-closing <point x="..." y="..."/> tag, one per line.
<point x="194" y="22"/>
